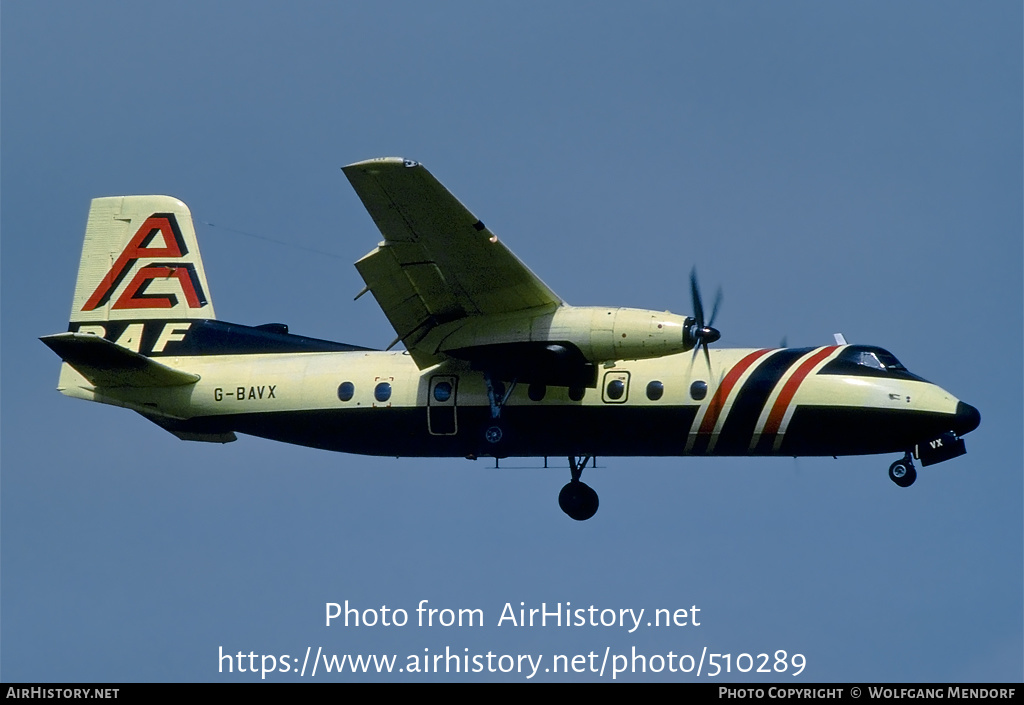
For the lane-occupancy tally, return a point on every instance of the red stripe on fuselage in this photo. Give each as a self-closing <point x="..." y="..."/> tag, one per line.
<point x="726" y="387"/>
<point x="778" y="412"/>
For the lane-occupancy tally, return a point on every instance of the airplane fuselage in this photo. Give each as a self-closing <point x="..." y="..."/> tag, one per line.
<point x="788" y="401"/>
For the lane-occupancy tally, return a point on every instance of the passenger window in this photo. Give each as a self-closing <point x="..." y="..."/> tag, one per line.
<point x="655" y="390"/>
<point x="346" y="390"/>
<point x="537" y="391"/>
<point x="442" y="391"/>
<point x="615" y="389"/>
<point x="382" y="392"/>
<point x="698" y="390"/>
<point x="576" y="393"/>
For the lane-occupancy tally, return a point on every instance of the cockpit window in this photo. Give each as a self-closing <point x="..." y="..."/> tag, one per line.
<point x="889" y="360"/>
<point x="867" y="361"/>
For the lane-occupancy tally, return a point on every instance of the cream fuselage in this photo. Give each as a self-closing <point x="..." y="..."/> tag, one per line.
<point x="751" y="402"/>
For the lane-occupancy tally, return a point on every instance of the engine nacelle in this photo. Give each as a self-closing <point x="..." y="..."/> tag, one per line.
<point x="600" y="334"/>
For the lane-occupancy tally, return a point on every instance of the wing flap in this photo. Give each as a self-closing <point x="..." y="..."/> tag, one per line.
<point x="399" y="299"/>
<point x="107" y="364"/>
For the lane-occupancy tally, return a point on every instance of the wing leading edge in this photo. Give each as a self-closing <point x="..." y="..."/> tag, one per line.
<point x="438" y="263"/>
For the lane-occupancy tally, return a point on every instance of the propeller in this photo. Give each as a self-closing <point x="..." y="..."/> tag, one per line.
<point x="701" y="334"/>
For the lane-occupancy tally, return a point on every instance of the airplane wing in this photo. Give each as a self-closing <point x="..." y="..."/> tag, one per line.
<point x="438" y="262"/>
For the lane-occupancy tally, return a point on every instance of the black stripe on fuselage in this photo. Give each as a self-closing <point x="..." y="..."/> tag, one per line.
<point x="561" y="430"/>
<point x="845" y="430"/>
<point x="746" y="409"/>
<point x="546" y="429"/>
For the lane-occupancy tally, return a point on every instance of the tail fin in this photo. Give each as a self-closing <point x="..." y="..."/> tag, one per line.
<point x="141" y="288"/>
<point x="140" y="261"/>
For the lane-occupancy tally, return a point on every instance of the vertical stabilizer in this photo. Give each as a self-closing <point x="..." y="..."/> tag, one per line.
<point x="140" y="261"/>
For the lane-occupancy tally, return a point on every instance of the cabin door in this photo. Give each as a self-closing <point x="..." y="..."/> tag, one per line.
<point x="441" y="419"/>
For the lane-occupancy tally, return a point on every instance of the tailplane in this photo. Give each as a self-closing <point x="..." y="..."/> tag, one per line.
<point x="107" y="364"/>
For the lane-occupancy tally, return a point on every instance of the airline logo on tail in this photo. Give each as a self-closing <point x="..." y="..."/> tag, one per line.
<point x="159" y="237"/>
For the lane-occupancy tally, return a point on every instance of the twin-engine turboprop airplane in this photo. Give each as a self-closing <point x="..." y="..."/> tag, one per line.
<point x="496" y="364"/>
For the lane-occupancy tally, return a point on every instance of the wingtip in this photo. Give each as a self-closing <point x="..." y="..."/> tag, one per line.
<point x="380" y="162"/>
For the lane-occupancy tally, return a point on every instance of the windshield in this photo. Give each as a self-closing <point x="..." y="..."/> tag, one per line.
<point x="869" y="361"/>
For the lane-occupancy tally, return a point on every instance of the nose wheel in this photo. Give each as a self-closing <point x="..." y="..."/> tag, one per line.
<point x="578" y="499"/>
<point x="902" y="472"/>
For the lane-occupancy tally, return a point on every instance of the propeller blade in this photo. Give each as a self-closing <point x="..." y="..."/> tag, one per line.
<point x="707" y="359"/>
<point x="701" y="333"/>
<point x="714" y="309"/>
<point x="698" y="308"/>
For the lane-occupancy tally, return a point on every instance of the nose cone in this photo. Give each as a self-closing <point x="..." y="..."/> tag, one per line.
<point x="967" y="418"/>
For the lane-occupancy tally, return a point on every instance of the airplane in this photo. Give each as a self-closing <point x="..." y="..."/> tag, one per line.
<point x="495" y="364"/>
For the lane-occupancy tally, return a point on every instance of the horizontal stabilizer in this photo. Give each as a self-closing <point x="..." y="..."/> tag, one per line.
<point x="107" y="364"/>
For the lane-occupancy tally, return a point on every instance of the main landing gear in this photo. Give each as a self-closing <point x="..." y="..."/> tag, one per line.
<point x="578" y="499"/>
<point x="902" y="472"/>
<point x="497" y="395"/>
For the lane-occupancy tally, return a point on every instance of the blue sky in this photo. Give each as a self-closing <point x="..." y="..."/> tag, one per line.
<point x="834" y="167"/>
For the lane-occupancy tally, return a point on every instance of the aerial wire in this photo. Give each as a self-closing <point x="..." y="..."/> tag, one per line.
<point x="276" y="242"/>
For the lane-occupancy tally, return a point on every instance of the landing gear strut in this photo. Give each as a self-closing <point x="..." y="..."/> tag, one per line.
<point x="577" y="499"/>
<point x="496" y="398"/>
<point x="902" y="472"/>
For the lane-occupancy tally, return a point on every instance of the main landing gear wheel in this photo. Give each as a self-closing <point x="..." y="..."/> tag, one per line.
<point x="902" y="472"/>
<point x="578" y="499"/>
